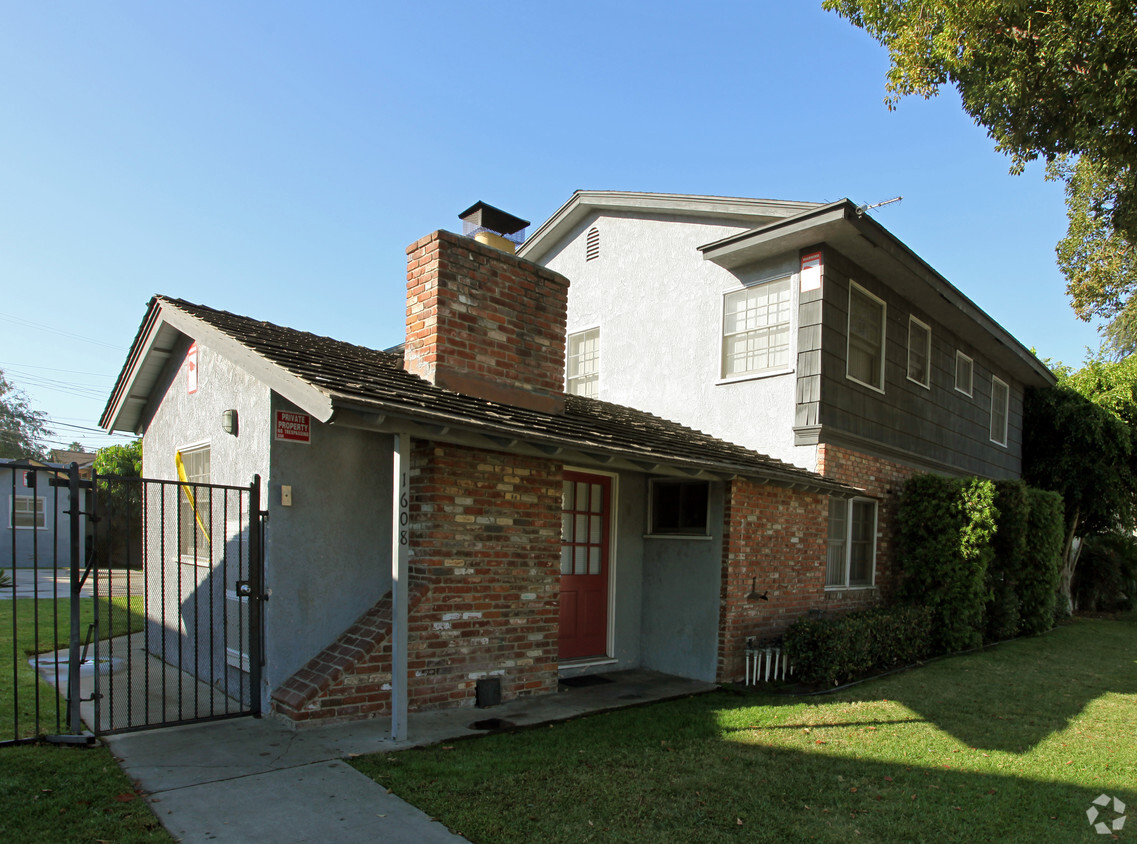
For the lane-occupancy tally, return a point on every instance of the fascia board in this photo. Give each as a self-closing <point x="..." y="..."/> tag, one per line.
<point x="582" y="203"/>
<point x="301" y="393"/>
<point x="123" y="407"/>
<point x="868" y="243"/>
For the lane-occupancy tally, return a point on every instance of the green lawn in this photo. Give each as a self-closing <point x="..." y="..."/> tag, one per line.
<point x="61" y="794"/>
<point x="1009" y="744"/>
<point x="55" y="794"/>
<point x="18" y="683"/>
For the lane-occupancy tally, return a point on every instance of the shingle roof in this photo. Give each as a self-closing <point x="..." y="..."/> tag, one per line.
<point x="356" y="377"/>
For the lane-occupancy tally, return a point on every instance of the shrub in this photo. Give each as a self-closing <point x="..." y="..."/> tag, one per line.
<point x="838" y="649"/>
<point x="1007" y="565"/>
<point x="1106" y="577"/>
<point x="945" y="531"/>
<point x="1037" y="585"/>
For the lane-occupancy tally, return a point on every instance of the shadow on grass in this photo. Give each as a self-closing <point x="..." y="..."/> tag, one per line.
<point x="1013" y="696"/>
<point x="671" y="773"/>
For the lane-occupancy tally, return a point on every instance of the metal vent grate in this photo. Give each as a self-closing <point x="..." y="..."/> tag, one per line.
<point x="592" y="244"/>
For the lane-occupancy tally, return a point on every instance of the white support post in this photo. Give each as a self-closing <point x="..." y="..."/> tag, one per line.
<point x="400" y="583"/>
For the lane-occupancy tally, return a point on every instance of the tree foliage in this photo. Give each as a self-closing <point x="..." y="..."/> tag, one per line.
<point x="1054" y="80"/>
<point x="119" y="532"/>
<point x="22" y="430"/>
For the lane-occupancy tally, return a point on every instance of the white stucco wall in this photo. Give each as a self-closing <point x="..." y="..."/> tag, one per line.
<point x="659" y="308"/>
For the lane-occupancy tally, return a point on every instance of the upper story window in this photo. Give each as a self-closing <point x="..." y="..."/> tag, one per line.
<point x="851" y="558"/>
<point x="865" y="361"/>
<point x="756" y="329"/>
<point x="679" y="508"/>
<point x="1000" y="410"/>
<point x="27" y="512"/>
<point x="919" y="352"/>
<point x="584" y="363"/>
<point x="592" y="244"/>
<point x="194" y="503"/>
<point x="964" y="373"/>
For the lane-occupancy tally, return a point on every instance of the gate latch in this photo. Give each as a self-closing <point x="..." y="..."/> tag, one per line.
<point x="244" y="589"/>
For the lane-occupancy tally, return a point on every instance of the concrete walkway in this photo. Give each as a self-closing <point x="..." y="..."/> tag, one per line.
<point x="46" y="583"/>
<point x="251" y="779"/>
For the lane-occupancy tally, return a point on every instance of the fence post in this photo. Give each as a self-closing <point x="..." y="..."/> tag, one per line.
<point x="256" y="596"/>
<point x="74" y="724"/>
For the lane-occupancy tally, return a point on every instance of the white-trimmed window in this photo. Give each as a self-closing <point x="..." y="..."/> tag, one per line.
<point x="865" y="359"/>
<point x="756" y="329"/>
<point x="584" y="363"/>
<point x="919" y="352"/>
<point x="679" y="508"/>
<point x="851" y="557"/>
<point x="964" y="373"/>
<point x="27" y="512"/>
<point x="195" y="511"/>
<point x="1000" y="410"/>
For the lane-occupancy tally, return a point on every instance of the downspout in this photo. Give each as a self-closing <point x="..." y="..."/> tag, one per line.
<point x="400" y="582"/>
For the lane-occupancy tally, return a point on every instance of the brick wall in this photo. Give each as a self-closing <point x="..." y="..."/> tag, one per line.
<point x="883" y="480"/>
<point x="485" y="573"/>
<point x="485" y="323"/>
<point x="774" y="542"/>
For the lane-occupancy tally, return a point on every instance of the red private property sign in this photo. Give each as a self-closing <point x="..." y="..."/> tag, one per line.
<point x="293" y="427"/>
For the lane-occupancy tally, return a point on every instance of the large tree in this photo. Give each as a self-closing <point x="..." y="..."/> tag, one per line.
<point x="1051" y="80"/>
<point x="1082" y="443"/>
<point x="22" y="430"/>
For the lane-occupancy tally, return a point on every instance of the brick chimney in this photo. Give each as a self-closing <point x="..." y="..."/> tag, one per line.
<point x="485" y="323"/>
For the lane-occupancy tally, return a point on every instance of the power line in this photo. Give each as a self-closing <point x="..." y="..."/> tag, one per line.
<point x="21" y="321"/>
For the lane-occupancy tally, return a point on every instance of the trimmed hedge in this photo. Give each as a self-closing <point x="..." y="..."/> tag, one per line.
<point x="1045" y="535"/>
<point x="838" y="649"/>
<point x="945" y="530"/>
<point x="1008" y="564"/>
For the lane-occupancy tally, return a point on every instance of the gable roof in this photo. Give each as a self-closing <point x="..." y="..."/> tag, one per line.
<point x="356" y="386"/>
<point x="745" y="212"/>
<point x="862" y="239"/>
<point x="777" y="227"/>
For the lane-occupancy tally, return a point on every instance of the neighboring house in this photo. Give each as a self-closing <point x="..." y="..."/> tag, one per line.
<point x="548" y="534"/>
<point x="804" y="331"/>
<point x="35" y="531"/>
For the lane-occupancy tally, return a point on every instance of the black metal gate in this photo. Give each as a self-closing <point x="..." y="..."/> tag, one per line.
<point x="139" y="600"/>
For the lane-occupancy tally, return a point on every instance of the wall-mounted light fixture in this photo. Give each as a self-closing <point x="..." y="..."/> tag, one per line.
<point x="229" y="422"/>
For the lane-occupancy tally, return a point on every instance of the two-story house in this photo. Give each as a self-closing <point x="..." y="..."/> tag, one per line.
<point x="804" y="331"/>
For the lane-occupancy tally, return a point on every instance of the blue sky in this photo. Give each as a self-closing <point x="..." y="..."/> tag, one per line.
<point x="275" y="159"/>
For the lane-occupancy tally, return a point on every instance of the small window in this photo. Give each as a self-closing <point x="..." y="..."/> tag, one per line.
<point x="1000" y="402"/>
<point x="679" y="508"/>
<point x="865" y="361"/>
<point x="27" y="512"/>
<point x="756" y="329"/>
<point x="592" y="244"/>
<point x="851" y="559"/>
<point x="584" y="363"/>
<point x="964" y="373"/>
<point x="195" y="511"/>
<point x="919" y="352"/>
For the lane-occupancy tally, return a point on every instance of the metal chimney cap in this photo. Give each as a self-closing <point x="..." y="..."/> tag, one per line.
<point x="486" y="217"/>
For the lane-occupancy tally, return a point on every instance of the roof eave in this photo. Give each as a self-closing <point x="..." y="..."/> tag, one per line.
<point x="865" y="241"/>
<point x="148" y="358"/>
<point x="741" y="210"/>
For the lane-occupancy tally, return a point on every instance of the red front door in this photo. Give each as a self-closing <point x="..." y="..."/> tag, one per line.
<point x="585" y="523"/>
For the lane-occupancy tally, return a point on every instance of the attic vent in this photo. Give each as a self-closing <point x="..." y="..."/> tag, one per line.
<point x="592" y="244"/>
